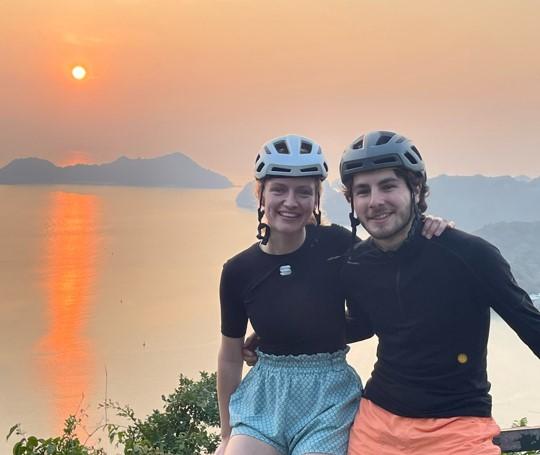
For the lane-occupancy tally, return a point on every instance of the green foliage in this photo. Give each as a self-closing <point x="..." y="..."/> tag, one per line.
<point x="518" y="424"/>
<point x="185" y="426"/>
<point x="67" y="444"/>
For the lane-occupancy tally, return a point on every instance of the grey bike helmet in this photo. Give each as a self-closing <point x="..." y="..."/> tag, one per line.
<point x="379" y="150"/>
<point x="290" y="156"/>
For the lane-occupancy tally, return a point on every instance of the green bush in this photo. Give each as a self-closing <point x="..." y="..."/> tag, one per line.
<point x="67" y="444"/>
<point x="186" y="426"/>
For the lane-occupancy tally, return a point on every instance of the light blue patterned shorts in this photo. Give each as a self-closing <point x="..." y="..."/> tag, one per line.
<point x="298" y="404"/>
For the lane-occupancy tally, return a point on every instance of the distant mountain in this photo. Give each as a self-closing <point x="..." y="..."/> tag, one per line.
<point x="471" y="201"/>
<point x="519" y="243"/>
<point x="536" y="300"/>
<point x="174" y="170"/>
<point x="246" y="197"/>
<point x="334" y="205"/>
<point x="475" y="201"/>
<point x="522" y="178"/>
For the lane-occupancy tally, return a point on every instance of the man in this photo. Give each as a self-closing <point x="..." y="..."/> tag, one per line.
<point x="429" y="303"/>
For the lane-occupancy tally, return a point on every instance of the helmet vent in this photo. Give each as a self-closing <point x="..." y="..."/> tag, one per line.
<point x="281" y="147"/>
<point x="354" y="165"/>
<point x="325" y="166"/>
<point x="411" y="158"/>
<point x="258" y="157"/>
<point x="359" y="143"/>
<point x="280" y="169"/>
<point x="309" y="169"/>
<point x="260" y="166"/>
<point x="268" y="152"/>
<point x="386" y="160"/>
<point x="385" y="138"/>
<point x="415" y="150"/>
<point x="400" y="140"/>
<point x="306" y="147"/>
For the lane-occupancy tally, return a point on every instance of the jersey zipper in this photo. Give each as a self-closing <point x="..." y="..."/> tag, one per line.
<point x="398" y="293"/>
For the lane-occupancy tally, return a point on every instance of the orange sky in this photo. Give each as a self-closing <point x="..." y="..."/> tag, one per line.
<point x="214" y="79"/>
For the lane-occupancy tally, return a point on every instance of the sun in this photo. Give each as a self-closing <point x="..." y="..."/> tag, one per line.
<point x="78" y="72"/>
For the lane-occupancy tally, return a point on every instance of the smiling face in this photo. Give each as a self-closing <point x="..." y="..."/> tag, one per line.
<point x="382" y="202"/>
<point x="289" y="203"/>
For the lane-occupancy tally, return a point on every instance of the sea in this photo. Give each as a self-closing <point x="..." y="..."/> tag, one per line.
<point x="112" y="293"/>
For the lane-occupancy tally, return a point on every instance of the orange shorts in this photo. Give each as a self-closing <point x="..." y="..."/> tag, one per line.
<point x="376" y="431"/>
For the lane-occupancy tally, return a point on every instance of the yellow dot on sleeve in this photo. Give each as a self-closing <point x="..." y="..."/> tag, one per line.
<point x="462" y="358"/>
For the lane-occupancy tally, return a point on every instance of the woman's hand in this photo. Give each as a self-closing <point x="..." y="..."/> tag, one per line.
<point x="435" y="226"/>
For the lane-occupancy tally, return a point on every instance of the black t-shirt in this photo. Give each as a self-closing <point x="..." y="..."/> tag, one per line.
<point x="293" y="301"/>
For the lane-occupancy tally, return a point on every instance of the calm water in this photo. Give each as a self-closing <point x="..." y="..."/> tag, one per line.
<point x="113" y="292"/>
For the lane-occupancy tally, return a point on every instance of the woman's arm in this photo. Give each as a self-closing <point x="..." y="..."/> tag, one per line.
<point x="228" y="377"/>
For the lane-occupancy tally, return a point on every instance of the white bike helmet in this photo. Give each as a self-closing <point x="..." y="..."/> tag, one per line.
<point x="379" y="150"/>
<point x="290" y="156"/>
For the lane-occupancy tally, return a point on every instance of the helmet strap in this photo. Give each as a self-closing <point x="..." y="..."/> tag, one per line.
<point x="354" y="221"/>
<point x="415" y="211"/>
<point x="415" y="217"/>
<point x="317" y="210"/>
<point x="262" y="236"/>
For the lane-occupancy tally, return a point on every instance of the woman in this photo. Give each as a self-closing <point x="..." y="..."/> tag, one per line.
<point x="302" y="396"/>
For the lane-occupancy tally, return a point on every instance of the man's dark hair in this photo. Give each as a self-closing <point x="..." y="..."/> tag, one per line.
<point x="416" y="183"/>
<point x="413" y="180"/>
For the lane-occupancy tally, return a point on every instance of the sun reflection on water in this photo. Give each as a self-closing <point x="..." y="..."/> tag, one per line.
<point x="65" y="358"/>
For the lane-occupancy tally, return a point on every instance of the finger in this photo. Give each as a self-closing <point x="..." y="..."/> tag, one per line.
<point x="249" y="357"/>
<point x="441" y="228"/>
<point x="427" y="229"/>
<point x="248" y="341"/>
<point x="251" y="341"/>
<point x="251" y="361"/>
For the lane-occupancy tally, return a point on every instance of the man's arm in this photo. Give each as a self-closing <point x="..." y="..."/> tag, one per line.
<point x="357" y="324"/>
<point x="510" y="301"/>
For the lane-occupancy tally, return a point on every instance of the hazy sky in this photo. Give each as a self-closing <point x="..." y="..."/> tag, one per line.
<point x="215" y="79"/>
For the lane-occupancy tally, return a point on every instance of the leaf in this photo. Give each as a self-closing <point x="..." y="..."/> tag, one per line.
<point x="32" y="442"/>
<point x="11" y="430"/>
<point x="19" y="448"/>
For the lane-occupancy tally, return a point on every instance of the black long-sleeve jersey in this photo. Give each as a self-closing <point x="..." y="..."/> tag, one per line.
<point x="429" y="303"/>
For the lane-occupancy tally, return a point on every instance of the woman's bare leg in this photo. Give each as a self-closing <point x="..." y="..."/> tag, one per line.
<point x="246" y="445"/>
